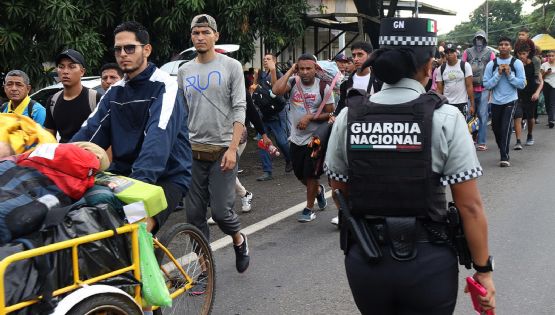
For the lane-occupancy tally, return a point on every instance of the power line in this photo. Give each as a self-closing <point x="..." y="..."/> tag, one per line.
<point x="494" y="31"/>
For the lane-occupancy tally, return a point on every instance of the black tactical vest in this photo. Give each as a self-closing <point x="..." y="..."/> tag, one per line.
<point x="390" y="160"/>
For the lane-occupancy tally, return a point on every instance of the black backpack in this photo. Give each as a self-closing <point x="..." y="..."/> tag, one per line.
<point x="269" y="106"/>
<point x="29" y="108"/>
<point x="511" y="64"/>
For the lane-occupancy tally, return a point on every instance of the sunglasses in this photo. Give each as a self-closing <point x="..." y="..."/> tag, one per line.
<point x="129" y="49"/>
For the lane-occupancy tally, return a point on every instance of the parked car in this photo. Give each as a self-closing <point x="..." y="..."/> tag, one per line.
<point x="190" y="53"/>
<point x="43" y="94"/>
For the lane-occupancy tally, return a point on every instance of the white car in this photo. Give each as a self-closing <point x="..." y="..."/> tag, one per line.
<point x="190" y="53"/>
<point x="43" y="94"/>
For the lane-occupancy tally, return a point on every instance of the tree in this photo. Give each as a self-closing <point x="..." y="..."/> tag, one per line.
<point x="34" y="31"/>
<point x="504" y="20"/>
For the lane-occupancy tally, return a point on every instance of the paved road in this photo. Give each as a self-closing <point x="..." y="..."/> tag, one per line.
<point x="298" y="268"/>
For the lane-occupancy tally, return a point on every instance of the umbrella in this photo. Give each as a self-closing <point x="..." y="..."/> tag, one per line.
<point x="544" y="41"/>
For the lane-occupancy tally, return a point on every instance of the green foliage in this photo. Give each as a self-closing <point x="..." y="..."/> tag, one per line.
<point x="34" y="31"/>
<point x="504" y="20"/>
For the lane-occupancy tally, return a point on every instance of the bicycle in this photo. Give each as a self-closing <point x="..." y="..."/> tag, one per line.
<point x="186" y="261"/>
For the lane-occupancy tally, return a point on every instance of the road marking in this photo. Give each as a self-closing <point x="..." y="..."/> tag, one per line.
<point x="226" y="240"/>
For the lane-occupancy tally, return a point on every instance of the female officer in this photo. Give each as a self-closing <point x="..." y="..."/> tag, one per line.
<point x="392" y="156"/>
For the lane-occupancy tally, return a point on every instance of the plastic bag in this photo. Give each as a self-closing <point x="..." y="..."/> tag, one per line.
<point x="155" y="292"/>
<point x="95" y="258"/>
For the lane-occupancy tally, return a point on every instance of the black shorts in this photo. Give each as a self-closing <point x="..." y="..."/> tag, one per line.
<point x="526" y="108"/>
<point x="303" y="164"/>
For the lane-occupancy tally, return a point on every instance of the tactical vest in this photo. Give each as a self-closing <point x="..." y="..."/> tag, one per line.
<point x="389" y="150"/>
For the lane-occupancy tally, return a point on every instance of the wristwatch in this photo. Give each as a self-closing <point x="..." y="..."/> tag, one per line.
<point x="487" y="268"/>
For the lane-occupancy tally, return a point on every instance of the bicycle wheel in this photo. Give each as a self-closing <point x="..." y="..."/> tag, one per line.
<point x="191" y="249"/>
<point x="106" y="304"/>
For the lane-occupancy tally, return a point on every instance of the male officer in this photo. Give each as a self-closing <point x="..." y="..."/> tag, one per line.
<point x="392" y="155"/>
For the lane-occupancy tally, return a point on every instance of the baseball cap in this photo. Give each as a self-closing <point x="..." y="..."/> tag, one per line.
<point x="204" y="20"/>
<point x="340" y="57"/>
<point x="450" y="47"/>
<point x="72" y="54"/>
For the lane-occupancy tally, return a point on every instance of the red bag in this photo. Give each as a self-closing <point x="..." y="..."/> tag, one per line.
<point x="70" y="167"/>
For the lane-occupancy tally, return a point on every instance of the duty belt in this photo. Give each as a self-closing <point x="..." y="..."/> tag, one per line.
<point x="401" y="234"/>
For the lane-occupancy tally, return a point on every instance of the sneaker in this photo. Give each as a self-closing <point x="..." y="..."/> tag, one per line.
<point x="321" y="198"/>
<point x="199" y="286"/>
<point x="504" y="164"/>
<point x="180" y="206"/>
<point x="266" y="176"/>
<point x="551" y="124"/>
<point x="335" y="220"/>
<point x="242" y="258"/>
<point x="240" y="171"/>
<point x="246" y="202"/>
<point x="211" y="221"/>
<point x="537" y="121"/>
<point x="529" y="140"/>
<point x="288" y="167"/>
<point x="481" y="147"/>
<point x="306" y="215"/>
<point x="518" y="146"/>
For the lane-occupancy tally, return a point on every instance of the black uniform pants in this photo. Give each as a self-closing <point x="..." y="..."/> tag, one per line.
<point x="426" y="285"/>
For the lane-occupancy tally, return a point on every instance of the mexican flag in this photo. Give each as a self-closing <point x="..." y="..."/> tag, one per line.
<point x="432" y="26"/>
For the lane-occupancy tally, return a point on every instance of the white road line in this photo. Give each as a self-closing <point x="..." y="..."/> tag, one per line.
<point x="226" y="240"/>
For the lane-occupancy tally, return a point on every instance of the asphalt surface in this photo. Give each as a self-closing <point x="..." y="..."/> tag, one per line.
<point x="297" y="268"/>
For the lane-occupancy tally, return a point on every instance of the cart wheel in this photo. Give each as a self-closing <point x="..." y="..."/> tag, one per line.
<point x="191" y="249"/>
<point x="106" y="304"/>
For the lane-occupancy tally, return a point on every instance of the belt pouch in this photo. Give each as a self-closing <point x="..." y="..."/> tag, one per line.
<point x="402" y="236"/>
<point x="207" y="152"/>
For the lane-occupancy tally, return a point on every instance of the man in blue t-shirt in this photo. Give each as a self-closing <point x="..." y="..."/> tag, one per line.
<point x="504" y="75"/>
<point x="17" y="87"/>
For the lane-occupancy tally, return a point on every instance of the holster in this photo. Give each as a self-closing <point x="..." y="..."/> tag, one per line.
<point x="207" y="152"/>
<point x="358" y="230"/>
<point x="402" y="236"/>
<point x="457" y="237"/>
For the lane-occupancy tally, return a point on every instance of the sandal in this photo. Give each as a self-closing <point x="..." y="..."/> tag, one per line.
<point x="482" y="147"/>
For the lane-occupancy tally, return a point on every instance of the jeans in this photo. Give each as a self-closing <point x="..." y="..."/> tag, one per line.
<point x="278" y="129"/>
<point x="549" y="95"/>
<point x="501" y="123"/>
<point x="481" y="107"/>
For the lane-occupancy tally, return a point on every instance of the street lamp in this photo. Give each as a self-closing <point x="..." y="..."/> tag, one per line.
<point x="487" y="20"/>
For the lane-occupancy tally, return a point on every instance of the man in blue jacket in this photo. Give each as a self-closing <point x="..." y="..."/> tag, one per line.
<point x="504" y="75"/>
<point x="143" y="118"/>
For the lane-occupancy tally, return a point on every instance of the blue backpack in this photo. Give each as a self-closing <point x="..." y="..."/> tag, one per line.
<point x="20" y="212"/>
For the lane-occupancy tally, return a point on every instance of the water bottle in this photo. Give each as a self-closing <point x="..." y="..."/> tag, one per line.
<point x="270" y="149"/>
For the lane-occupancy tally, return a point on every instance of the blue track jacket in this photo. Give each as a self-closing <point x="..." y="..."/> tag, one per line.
<point x="145" y="121"/>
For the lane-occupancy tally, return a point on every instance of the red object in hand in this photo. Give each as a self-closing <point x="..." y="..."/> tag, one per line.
<point x="270" y="149"/>
<point x="476" y="289"/>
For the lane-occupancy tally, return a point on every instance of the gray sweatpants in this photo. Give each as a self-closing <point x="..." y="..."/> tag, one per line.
<point x="209" y="183"/>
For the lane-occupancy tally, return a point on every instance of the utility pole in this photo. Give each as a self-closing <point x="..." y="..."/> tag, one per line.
<point x="487" y="19"/>
<point x="416" y="8"/>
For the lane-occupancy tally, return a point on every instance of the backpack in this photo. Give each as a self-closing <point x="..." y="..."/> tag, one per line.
<point x="478" y="64"/>
<point x="56" y="97"/>
<point x="443" y="66"/>
<point x="269" y="106"/>
<point x="29" y="108"/>
<point x="328" y="72"/>
<point x="20" y="212"/>
<point x="72" y="168"/>
<point x="511" y="64"/>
